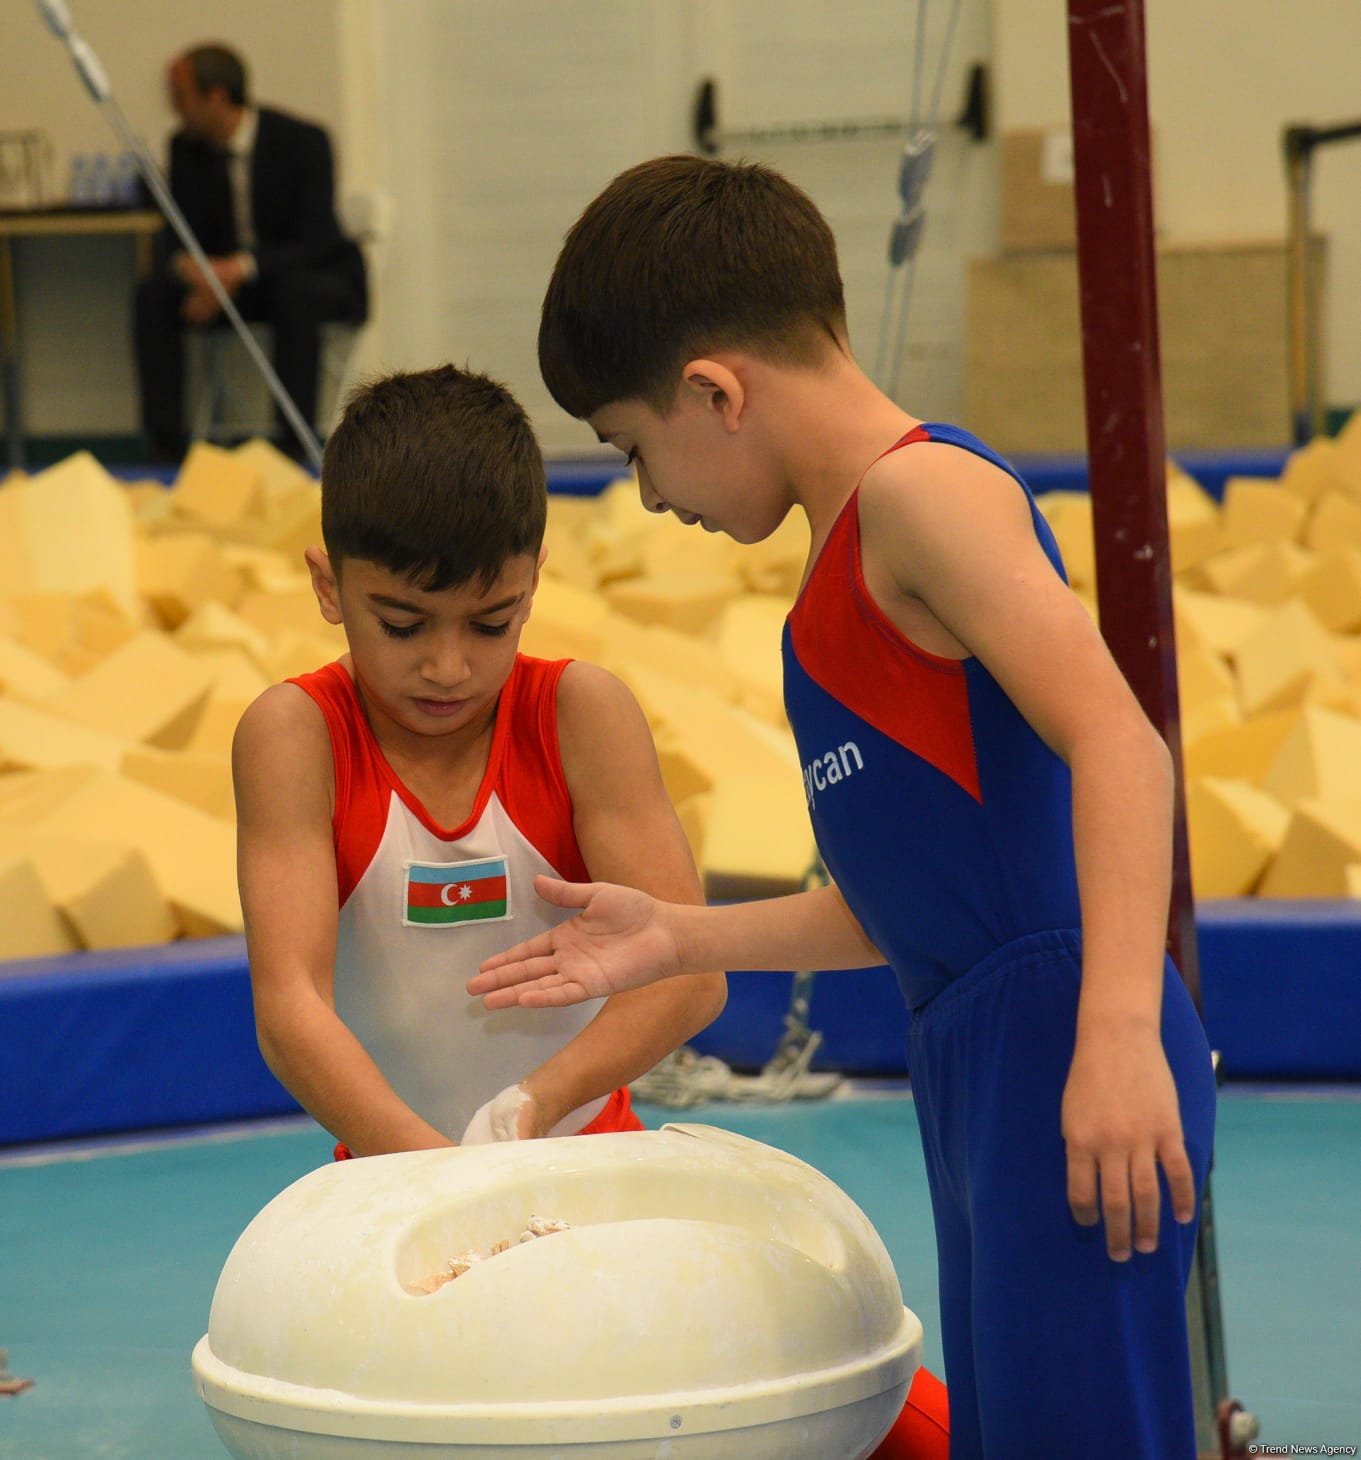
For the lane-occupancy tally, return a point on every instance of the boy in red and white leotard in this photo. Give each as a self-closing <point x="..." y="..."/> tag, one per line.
<point x="394" y="807"/>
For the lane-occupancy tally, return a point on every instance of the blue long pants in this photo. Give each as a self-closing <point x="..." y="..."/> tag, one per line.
<point x="1052" y="1351"/>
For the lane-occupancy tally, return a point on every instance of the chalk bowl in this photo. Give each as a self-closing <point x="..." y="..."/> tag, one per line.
<point x="685" y="1294"/>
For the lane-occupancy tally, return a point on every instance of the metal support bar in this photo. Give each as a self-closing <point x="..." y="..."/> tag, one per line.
<point x="1127" y="471"/>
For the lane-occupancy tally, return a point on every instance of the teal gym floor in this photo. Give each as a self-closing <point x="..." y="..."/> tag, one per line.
<point x="109" y="1254"/>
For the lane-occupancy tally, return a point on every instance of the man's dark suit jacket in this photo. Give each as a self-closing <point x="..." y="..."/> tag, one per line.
<point x="292" y="201"/>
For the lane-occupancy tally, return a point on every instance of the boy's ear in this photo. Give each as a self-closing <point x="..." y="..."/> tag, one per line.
<point x="534" y="585"/>
<point x="324" y="584"/>
<point x="719" y="387"/>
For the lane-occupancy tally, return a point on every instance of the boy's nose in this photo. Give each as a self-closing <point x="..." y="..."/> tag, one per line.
<point x="447" y="663"/>
<point x="646" y="495"/>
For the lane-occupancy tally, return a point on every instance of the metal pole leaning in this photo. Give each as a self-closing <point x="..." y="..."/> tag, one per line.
<point x="58" y="18"/>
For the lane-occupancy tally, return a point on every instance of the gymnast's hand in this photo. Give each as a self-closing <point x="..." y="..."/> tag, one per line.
<point x="1121" y="1121"/>
<point x="620" y="940"/>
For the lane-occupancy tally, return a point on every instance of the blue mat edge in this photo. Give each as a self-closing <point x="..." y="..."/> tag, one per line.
<point x="147" y="1038"/>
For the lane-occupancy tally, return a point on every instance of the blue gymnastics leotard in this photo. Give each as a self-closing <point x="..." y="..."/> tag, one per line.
<point x="946" y="823"/>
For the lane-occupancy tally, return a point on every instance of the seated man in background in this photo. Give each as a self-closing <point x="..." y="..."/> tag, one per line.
<point x="256" y="186"/>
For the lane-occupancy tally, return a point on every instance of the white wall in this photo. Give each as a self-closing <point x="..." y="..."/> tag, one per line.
<point x="490" y="146"/>
<point x="1224" y="77"/>
<point x="486" y="125"/>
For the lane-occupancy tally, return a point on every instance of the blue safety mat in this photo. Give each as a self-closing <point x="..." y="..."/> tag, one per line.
<point x="155" y="1037"/>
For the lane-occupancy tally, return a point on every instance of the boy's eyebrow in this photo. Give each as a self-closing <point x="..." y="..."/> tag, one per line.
<point x="385" y="600"/>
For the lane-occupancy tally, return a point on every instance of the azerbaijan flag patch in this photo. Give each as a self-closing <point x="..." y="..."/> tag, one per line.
<point x="443" y="894"/>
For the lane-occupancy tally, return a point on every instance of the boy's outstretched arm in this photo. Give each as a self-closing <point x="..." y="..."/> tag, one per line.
<point x="946" y="532"/>
<point x="624" y="939"/>
<point x="281" y="768"/>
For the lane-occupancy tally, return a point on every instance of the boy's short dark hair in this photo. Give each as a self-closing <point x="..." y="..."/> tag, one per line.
<point x="677" y="257"/>
<point x="434" y="475"/>
<point x="218" y="65"/>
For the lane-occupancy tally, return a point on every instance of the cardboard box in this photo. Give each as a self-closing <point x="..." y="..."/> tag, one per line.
<point x="1222" y="321"/>
<point x="1037" y="189"/>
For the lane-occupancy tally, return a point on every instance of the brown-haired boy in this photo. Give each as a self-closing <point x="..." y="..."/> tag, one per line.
<point x="993" y="806"/>
<point x="395" y="806"/>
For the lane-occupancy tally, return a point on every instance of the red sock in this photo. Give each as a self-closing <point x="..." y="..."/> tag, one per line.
<point x="922" y="1430"/>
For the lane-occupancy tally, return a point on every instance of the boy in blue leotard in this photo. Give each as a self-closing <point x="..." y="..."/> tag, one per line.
<point x="993" y="806"/>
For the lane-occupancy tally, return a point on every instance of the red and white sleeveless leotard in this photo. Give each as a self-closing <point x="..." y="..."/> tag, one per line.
<point x="399" y="985"/>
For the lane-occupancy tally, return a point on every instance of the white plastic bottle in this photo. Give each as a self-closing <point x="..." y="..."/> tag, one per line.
<point x="78" y="188"/>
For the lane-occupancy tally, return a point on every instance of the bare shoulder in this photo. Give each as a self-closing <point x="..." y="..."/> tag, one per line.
<point x="601" y="726"/>
<point x="932" y="477"/>
<point x="586" y="692"/>
<point x="281" y="718"/>
<point x="281" y="747"/>
<point x="933" y="504"/>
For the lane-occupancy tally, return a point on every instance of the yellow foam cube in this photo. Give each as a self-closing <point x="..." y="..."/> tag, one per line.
<point x="1334" y="522"/>
<point x="1257" y="509"/>
<point x="1069" y="515"/>
<point x="1314" y="470"/>
<point x="198" y="779"/>
<point x="217" y="726"/>
<point x="1321" y="842"/>
<point x="79" y="530"/>
<point x="236" y="675"/>
<point x="151" y="505"/>
<point x="1265" y="573"/>
<point x="279" y="475"/>
<point x="216" y="486"/>
<point x="757" y="839"/>
<point x="192" y="854"/>
<point x="294" y="654"/>
<point x="1215" y="623"/>
<point x="264" y="569"/>
<point x="30" y="925"/>
<point x="566" y="558"/>
<point x="149" y="690"/>
<point x="1193" y="526"/>
<point x="691" y="604"/>
<point x="749" y="633"/>
<point x="677" y="550"/>
<point x="26" y="797"/>
<point x="291" y="523"/>
<point x="16" y="567"/>
<point x="1240" y="752"/>
<point x="293" y="609"/>
<point x="1289" y="655"/>
<point x="1219" y="712"/>
<point x="180" y="571"/>
<point x="1319" y="759"/>
<point x="566" y="622"/>
<point x="722" y="738"/>
<point x="1201" y="676"/>
<point x="104" y="889"/>
<point x="776" y="564"/>
<point x="1332" y="589"/>
<point x="26" y="674"/>
<point x="214" y="626"/>
<point x="656" y="649"/>
<point x="72" y="631"/>
<point x="1348" y="458"/>
<point x="1234" y="831"/>
<point x="33" y="736"/>
<point x="1352" y="880"/>
<point x="682" y="774"/>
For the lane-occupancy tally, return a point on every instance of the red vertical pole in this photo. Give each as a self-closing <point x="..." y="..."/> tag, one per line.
<point x="1126" y="450"/>
<point x="1123" y="385"/>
